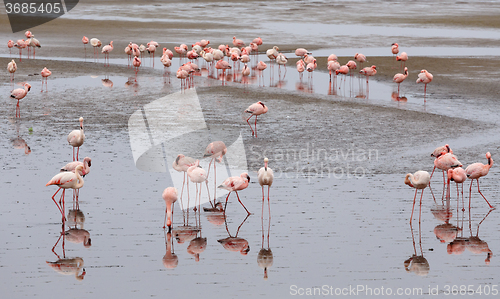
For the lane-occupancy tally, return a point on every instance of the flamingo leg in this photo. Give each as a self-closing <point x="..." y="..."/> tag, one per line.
<point x="268" y="204"/>
<point x="491" y="207"/>
<point x="242" y="203"/>
<point x="470" y="193"/>
<point x="226" y="202"/>
<point x="56" y="201"/>
<point x="256" y="126"/>
<point x="420" y="215"/>
<point x="262" y="215"/>
<point x="413" y="207"/>
<point x="250" y="125"/>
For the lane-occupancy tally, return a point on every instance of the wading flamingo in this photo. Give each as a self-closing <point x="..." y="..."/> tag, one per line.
<point x="66" y="180"/>
<point x="169" y="195"/>
<point x="197" y="175"/>
<point x="477" y="170"/>
<point x="403" y="57"/>
<point x="12" y="68"/>
<point x="76" y="139"/>
<point x="181" y="164"/>
<point x="265" y="177"/>
<point x="398" y="78"/>
<point x="395" y="48"/>
<point x="425" y="77"/>
<point x="45" y="74"/>
<point x="10" y="45"/>
<point x="215" y="151"/>
<point x="85" y="41"/>
<point x="19" y="94"/>
<point x="96" y="43"/>
<point x="238" y="42"/>
<point x="136" y="63"/>
<point x="418" y="180"/>
<point x="458" y="175"/>
<point x="236" y="183"/>
<point x="106" y="50"/>
<point x="71" y="166"/>
<point x="444" y="162"/>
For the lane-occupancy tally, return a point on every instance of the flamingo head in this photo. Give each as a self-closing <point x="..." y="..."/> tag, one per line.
<point x="408" y="181"/>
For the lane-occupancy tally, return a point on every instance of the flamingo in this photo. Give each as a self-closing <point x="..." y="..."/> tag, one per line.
<point x="403" y="57"/>
<point x="169" y="195"/>
<point x="45" y="74"/>
<point x="128" y="51"/>
<point x="28" y="34"/>
<point x="281" y="60"/>
<point x="332" y="66"/>
<point x="332" y="57"/>
<point x="197" y="175"/>
<point x="136" y="63"/>
<point x="368" y="72"/>
<point x="181" y="50"/>
<point x="66" y="180"/>
<point x="444" y="162"/>
<point x="106" y="50"/>
<point x="360" y="58"/>
<point x="69" y="266"/>
<point x="151" y="48"/>
<point x="12" y="68"/>
<point x="300" y="52"/>
<point x="20" y="44"/>
<point x="425" y="77"/>
<point x="257" y="41"/>
<point x="439" y="151"/>
<point x="85" y="41"/>
<point x="458" y="175"/>
<point x="182" y="74"/>
<point x="256" y="109"/>
<point x="236" y="183"/>
<point x="310" y="67"/>
<point x="222" y="65"/>
<point x="301" y="67"/>
<point x="19" y="94"/>
<point x="142" y="48"/>
<point x="34" y="43"/>
<point x="96" y="43"/>
<point x="215" y="151"/>
<point x="395" y="48"/>
<point x="398" y="78"/>
<point x="265" y="176"/>
<point x="418" y="180"/>
<point x="245" y="72"/>
<point x="181" y="164"/>
<point x="71" y="166"/>
<point x="476" y="171"/>
<point x="344" y="70"/>
<point x="238" y="42"/>
<point x="76" y="139"/>
<point x="272" y="53"/>
<point x="10" y="45"/>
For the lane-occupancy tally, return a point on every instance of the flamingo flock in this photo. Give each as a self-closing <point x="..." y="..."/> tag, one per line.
<point x="445" y="160"/>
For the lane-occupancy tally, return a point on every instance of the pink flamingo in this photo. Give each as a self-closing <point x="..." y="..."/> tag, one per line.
<point x="181" y="164"/>
<point x="332" y="57"/>
<point x="257" y="41"/>
<point x="34" y="43"/>
<point x="261" y="66"/>
<point x="256" y="109"/>
<point x="439" y="151"/>
<point x="368" y="72"/>
<point x="403" y="57"/>
<point x="20" y="44"/>
<point x="344" y="70"/>
<point x="182" y="51"/>
<point x="236" y="183"/>
<point x="310" y="67"/>
<point x="28" y="34"/>
<point x="10" y="45"/>
<point x="222" y="65"/>
<point x="238" y="42"/>
<point x="418" y="180"/>
<point x="425" y="77"/>
<point x="300" y="52"/>
<point x="351" y="64"/>
<point x="45" y="74"/>
<point x="332" y="66"/>
<point x="245" y="72"/>
<point x="183" y="75"/>
<point x="301" y="67"/>
<point x="128" y="51"/>
<point x="395" y="48"/>
<point x="12" y="68"/>
<point x="151" y="48"/>
<point x="76" y="139"/>
<point x="360" y="58"/>
<point x="197" y="175"/>
<point x="71" y="166"/>
<point x="169" y="195"/>
<point x="398" y="78"/>
<point x="136" y="63"/>
<point x="265" y="177"/>
<point x="444" y="162"/>
<point x="19" y="94"/>
<point x="66" y="180"/>
<point x="477" y="170"/>
<point x="85" y="41"/>
<point x="106" y="50"/>
<point x="458" y="175"/>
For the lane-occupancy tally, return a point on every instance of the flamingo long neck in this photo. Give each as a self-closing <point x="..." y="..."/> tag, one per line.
<point x="80" y="179"/>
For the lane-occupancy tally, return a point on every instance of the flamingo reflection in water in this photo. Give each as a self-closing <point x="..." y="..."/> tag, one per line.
<point x="67" y="266"/>
<point x="417" y="263"/>
<point x="235" y="244"/>
<point x="170" y="259"/>
<point x="474" y="244"/>
<point x="197" y="246"/>
<point x="265" y="257"/>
